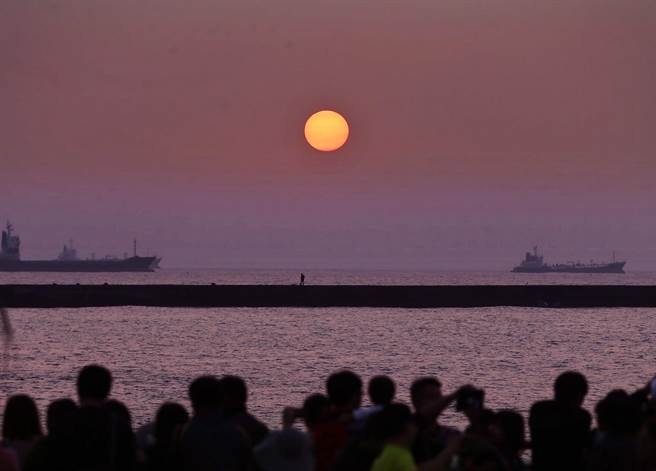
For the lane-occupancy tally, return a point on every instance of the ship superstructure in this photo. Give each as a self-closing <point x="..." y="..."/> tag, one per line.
<point x="68" y="260"/>
<point x="534" y="263"/>
<point x="68" y="253"/>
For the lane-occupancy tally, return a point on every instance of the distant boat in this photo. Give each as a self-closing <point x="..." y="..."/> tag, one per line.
<point x="68" y="261"/>
<point x="534" y="263"/>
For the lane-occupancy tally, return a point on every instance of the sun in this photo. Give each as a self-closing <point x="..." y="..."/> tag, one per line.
<point x="326" y="130"/>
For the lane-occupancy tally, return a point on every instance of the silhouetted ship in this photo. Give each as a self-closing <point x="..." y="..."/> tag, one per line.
<point x="534" y="263"/>
<point x="68" y="260"/>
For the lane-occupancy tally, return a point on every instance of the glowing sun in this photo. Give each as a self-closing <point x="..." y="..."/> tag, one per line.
<point x="326" y="130"/>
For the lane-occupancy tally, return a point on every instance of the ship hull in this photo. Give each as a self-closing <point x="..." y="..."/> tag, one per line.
<point x="616" y="267"/>
<point x="132" y="264"/>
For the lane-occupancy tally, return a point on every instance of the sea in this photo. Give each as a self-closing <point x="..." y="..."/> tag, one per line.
<point x="284" y="354"/>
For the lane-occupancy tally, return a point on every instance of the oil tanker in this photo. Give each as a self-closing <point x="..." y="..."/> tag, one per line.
<point x="68" y="261"/>
<point x="534" y="263"/>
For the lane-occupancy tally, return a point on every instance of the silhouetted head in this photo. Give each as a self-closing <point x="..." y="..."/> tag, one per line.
<point x="511" y="430"/>
<point x="61" y="417"/>
<point x="205" y="394"/>
<point x="423" y="390"/>
<point x="570" y="388"/>
<point x="395" y="423"/>
<point x="120" y="411"/>
<point x="94" y="383"/>
<point x="381" y="390"/>
<point x="169" y="419"/>
<point x="235" y="393"/>
<point x="617" y="414"/>
<point x="344" y="389"/>
<point x="316" y="409"/>
<point x="20" y="420"/>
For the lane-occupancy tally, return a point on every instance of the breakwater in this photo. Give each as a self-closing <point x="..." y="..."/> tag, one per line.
<point x="554" y="296"/>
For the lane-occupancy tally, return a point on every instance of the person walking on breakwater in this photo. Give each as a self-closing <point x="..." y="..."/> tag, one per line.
<point x="302" y="283"/>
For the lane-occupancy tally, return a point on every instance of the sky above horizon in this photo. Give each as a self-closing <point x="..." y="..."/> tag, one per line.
<point x="478" y="129"/>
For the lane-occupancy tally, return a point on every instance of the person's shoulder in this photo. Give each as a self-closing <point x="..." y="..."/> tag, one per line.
<point x="446" y="432"/>
<point x="250" y="418"/>
<point x="542" y="406"/>
<point x="196" y="426"/>
<point x="588" y="415"/>
<point x="92" y="413"/>
<point x="233" y="433"/>
<point x="394" y="458"/>
<point x="213" y="427"/>
<point x="584" y="416"/>
<point x="361" y="413"/>
<point x="364" y="413"/>
<point x="451" y="430"/>
<point x="250" y="426"/>
<point x="330" y="430"/>
<point x="544" y="403"/>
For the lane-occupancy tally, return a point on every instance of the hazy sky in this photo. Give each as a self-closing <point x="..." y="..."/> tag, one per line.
<point x="478" y="128"/>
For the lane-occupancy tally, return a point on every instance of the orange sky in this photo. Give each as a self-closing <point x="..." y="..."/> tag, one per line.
<point x="501" y="123"/>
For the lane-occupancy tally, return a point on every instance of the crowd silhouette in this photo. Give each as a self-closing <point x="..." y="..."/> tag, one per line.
<point x="332" y="430"/>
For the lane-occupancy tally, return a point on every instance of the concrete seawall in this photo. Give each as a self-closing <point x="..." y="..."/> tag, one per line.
<point x="52" y="296"/>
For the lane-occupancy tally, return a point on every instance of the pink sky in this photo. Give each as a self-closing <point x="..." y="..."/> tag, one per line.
<point x="478" y="128"/>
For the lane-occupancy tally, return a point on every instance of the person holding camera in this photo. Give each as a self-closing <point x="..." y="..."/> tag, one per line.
<point x="428" y="402"/>
<point x="470" y="401"/>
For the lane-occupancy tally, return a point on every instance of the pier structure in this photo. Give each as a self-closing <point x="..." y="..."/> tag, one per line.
<point x="317" y="296"/>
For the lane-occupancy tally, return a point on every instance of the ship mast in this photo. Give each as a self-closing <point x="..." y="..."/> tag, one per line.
<point x="134" y="247"/>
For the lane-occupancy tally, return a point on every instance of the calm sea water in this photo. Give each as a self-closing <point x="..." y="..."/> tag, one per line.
<point x="285" y="354"/>
<point x="331" y="277"/>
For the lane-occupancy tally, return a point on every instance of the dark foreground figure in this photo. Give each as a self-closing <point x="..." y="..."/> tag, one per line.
<point x="332" y="430"/>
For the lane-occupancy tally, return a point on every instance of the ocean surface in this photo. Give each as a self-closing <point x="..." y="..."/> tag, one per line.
<point x="331" y="277"/>
<point x="285" y="354"/>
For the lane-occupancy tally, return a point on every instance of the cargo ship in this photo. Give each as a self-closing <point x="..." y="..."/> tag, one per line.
<point x="68" y="261"/>
<point x="534" y="263"/>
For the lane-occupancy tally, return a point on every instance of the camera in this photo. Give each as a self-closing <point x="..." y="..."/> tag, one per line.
<point x="469" y="397"/>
